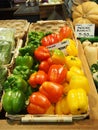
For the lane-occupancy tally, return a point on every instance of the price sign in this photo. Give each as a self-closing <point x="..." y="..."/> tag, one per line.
<point x="85" y="30"/>
<point x="60" y="45"/>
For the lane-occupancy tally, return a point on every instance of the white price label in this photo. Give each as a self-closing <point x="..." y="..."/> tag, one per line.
<point x="60" y="45"/>
<point x="85" y="30"/>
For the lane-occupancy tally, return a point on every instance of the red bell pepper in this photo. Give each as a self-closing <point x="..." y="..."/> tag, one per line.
<point x="42" y="53"/>
<point x="44" y="65"/>
<point x="57" y="73"/>
<point x="50" y="39"/>
<point x="53" y="91"/>
<point x="38" y="103"/>
<point x="65" y="32"/>
<point x="37" y="78"/>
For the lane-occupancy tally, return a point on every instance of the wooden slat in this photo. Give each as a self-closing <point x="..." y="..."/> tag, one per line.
<point x="93" y="96"/>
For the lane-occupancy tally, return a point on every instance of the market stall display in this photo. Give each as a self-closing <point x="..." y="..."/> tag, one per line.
<point x="43" y="76"/>
<point x="31" y="84"/>
<point x="90" y="47"/>
<point x="10" y="33"/>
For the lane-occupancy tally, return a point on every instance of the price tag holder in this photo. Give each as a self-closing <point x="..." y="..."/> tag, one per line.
<point x="85" y="30"/>
<point x="61" y="45"/>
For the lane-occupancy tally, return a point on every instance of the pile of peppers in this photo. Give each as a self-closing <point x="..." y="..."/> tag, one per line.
<point x="46" y="82"/>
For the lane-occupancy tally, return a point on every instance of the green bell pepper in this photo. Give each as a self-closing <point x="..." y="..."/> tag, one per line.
<point x="25" y="60"/>
<point x="13" y="101"/>
<point x="15" y="82"/>
<point x="22" y="71"/>
<point x="27" y="49"/>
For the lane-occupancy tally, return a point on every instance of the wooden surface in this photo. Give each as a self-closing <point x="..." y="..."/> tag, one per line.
<point x="79" y="125"/>
<point x="47" y="10"/>
<point x="93" y="96"/>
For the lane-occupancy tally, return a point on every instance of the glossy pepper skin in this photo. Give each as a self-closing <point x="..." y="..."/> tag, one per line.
<point x="25" y="60"/>
<point x="15" y="82"/>
<point x="27" y="49"/>
<point x="62" y="106"/>
<point x="53" y="91"/>
<point x="37" y="78"/>
<point x="50" y="39"/>
<point x="71" y="49"/>
<point x="22" y="71"/>
<point x="58" y="57"/>
<point x="79" y="81"/>
<point x="42" y="53"/>
<point x="77" y="101"/>
<point x="44" y="65"/>
<point x="57" y="73"/>
<point x="65" y="32"/>
<point x="38" y="103"/>
<point x="13" y="101"/>
<point x="73" y="61"/>
<point x="74" y="70"/>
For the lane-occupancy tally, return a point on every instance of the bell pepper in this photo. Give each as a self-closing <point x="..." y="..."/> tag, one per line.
<point x="71" y="49"/>
<point x="65" y="32"/>
<point x="73" y="61"/>
<point x="34" y="37"/>
<point x="79" y="81"/>
<point x="50" y="39"/>
<point x="37" y="78"/>
<point x="42" y="53"/>
<point x="74" y="70"/>
<point x="44" y="65"/>
<point x="38" y="103"/>
<point x="22" y="71"/>
<point x="25" y="60"/>
<point x="15" y="82"/>
<point x="66" y="87"/>
<point x="57" y="73"/>
<point x="53" y="91"/>
<point x="62" y="107"/>
<point x="57" y="56"/>
<point x="78" y="101"/>
<point x="51" y="110"/>
<point x="27" y="49"/>
<point x="13" y="101"/>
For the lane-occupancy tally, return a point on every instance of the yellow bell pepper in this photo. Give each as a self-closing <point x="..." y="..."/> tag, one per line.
<point x="51" y="110"/>
<point x="73" y="61"/>
<point x="62" y="107"/>
<point x="77" y="101"/>
<point x="71" y="41"/>
<point x="57" y="56"/>
<point x="66" y="88"/>
<point x="71" y="49"/>
<point x="79" y="81"/>
<point x="74" y="70"/>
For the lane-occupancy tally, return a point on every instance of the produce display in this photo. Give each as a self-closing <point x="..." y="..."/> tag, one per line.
<point x="47" y="81"/>
<point x="7" y="46"/>
<point x="90" y="46"/>
<point x="87" y="13"/>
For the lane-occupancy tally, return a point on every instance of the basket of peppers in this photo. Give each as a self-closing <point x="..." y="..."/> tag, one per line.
<point x="47" y="83"/>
